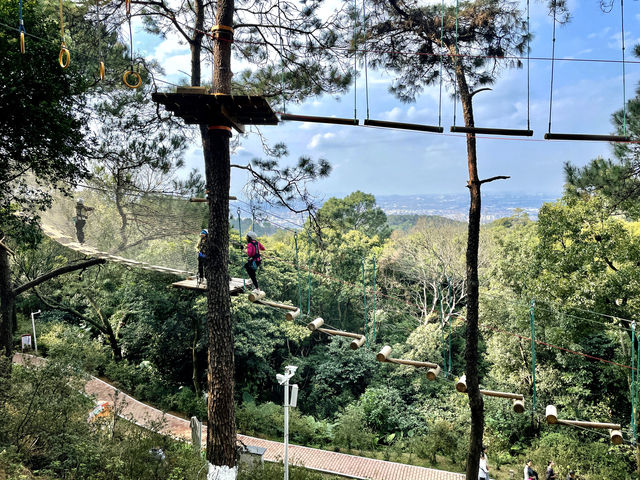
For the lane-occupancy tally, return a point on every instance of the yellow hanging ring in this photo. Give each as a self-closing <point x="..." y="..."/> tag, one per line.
<point x="21" y="42"/>
<point x="102" y="70"/>
<point x="135" y="75"/>
<point x="64" y="59"/>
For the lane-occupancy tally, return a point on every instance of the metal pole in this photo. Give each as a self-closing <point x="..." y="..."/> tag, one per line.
<point x="33" y="325"/>
<point x="286" y="429"/>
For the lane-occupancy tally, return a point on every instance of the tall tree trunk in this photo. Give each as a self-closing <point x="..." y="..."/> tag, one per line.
<point x="476" y="404"/>
<point x="195" y="377"/>
<point x="7" y="303"/>
<point x="221" y="434"/>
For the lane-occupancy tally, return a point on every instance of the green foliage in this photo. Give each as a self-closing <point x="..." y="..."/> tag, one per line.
<point x="45" y="428"/>
<point x="75" y="346"/>
<point x="268" y="419"/>
<point x="590" y="459"/>
<point x="357" y="211"/>
<point x="275" y="471"/>
<point x="351" y="431"/>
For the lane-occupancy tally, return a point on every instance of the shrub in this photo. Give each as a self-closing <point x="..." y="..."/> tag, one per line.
<point x="74" y="345"/>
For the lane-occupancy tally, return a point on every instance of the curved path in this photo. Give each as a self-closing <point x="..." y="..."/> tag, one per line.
<point x="349" y="466"/>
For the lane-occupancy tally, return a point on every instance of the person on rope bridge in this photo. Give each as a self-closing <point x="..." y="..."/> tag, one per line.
<point x="253" y="252"/>
<point x="202" y="256"/>
<point x="81" y="218"/>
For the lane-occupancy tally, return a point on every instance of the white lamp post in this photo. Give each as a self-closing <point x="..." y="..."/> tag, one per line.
<point x="289" y="401"/>
<point x="33" y="325"/>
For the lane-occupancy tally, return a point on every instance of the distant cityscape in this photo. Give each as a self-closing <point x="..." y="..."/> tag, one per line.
<point x="452" y="206"/>
<point x="456" y="206"/>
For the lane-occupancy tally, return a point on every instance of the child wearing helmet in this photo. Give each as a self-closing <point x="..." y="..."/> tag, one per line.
<point x="202" y="256"/>
<point x="253" y="252"/>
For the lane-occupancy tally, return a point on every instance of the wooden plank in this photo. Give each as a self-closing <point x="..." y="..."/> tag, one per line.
<point x="340" y="333"/>
<point x="412" y="363"/>
<point x="491" y="393"/>
<point x="282" y="306"/>
<point x="580" y="423"/>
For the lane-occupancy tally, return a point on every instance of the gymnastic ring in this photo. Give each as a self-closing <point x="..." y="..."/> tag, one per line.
<point x="64" y="59"/>
<point x="101" y="70"/>
<point x="136" y="75"/>
<point x="21" y="42"/>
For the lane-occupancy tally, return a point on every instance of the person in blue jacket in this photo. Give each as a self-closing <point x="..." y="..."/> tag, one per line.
<point x="202" y="256"/>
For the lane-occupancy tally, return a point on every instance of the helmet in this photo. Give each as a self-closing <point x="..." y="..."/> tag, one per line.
<point x="252" y="235"/>
<point x="204" y="232"/>
<point x="80" y="201"/>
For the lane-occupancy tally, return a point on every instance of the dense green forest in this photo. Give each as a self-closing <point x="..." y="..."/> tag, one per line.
<point x="577" y="262"/>
<point x="556" y="301"/>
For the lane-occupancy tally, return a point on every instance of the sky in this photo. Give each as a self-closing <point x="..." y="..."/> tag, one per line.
<point x="388" y="162"/>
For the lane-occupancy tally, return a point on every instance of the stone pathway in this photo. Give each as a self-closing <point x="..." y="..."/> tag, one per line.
<point x="349" y="466"/>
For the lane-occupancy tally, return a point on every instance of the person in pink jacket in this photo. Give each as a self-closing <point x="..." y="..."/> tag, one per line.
<point x="253" y="252"/>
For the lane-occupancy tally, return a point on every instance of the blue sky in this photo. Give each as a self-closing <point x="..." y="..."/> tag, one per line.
<point x="384" y="161"/>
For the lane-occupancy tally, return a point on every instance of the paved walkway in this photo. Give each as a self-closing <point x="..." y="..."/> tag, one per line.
<point x="342" y="464"/>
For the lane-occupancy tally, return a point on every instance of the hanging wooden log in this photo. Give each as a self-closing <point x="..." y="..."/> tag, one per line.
<point x="615" y="429"/>
<point x="518" y="405"/>
<point x="518" y="399"/>
<point x="616" y="437"/>
<point x="552" y="414"/>
<point x="383" y="356"/>
<point x="316" y="324"/>
<point x="357" y="343"/>
<point x="293" y="314"/>
<point x="433" y="373"/>
<point x="255" y="296"/>
<point x="491" y="393"/>
<point x="581" y="423"/>
<point x="461" y="384"/>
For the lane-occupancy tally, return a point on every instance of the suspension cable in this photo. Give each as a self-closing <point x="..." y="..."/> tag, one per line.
<point x="553" y="56"/>
<point x="441" y="55"/>
<point x="624" y="80"/>
<point x="455" y="68"/>
<point x="366" y="74"/>
<point x="528" y="69"/>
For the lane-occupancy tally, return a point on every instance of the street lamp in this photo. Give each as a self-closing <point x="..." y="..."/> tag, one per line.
<point x="33" y="325"/>
<point x="289" y="401"/>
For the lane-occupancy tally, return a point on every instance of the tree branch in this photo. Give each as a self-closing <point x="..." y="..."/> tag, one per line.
<point x="57" y="272"/>
<point x="491" y="179"/>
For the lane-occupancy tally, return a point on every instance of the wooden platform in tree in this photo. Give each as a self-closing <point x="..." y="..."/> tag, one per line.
<point x="236" y="285"/>
<point x="196" y="106"/>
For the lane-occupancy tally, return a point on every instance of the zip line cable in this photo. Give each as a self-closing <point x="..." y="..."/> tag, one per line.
<point x="441" y="61"/>
<point x="366" y="73"/>
<point x="624" y="81"/>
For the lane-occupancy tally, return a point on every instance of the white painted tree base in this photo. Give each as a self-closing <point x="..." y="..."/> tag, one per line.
<point x="217" y="472"/>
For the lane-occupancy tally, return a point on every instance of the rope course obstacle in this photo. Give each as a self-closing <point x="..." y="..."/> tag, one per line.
<point x="518" y="399"/>
<point x="293" y="312"/>
<point x="580" y="136"/>
<point x="615" y="432"/>
<point x="384" y="357"/>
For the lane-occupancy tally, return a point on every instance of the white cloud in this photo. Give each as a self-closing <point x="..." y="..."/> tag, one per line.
<point x="319" y="139"/>
<point x="393" y="115"/>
